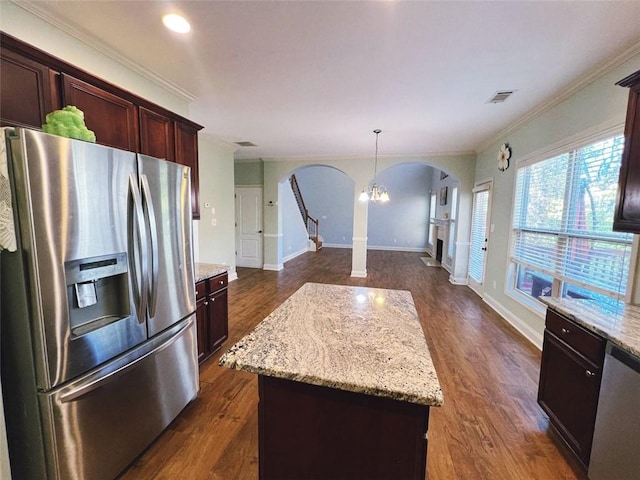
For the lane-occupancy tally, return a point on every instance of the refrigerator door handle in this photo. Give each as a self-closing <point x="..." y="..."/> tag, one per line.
<point x="153" y="229"/>
<point x="139" y="253"/>
<point x="92" y="383"/>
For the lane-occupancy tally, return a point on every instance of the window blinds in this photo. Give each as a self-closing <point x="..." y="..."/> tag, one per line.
<point x="478" y="235"/>
<point x="563" y="217"/>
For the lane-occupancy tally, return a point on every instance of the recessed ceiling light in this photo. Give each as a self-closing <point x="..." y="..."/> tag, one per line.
<point x="177" y="23"/>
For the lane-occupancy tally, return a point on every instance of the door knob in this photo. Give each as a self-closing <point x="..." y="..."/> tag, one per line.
<point x="259" y="231"/>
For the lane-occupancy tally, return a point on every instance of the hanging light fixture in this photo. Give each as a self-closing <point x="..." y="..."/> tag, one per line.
<point x="377" y="193"/>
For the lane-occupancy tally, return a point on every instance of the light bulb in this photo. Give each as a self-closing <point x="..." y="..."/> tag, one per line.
<point x="176" y="23"/>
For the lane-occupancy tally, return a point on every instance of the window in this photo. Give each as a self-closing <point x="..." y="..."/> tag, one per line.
<point x="452" y="223"/>
<point x="562" y="240"/>
<point x="432" y="216"/>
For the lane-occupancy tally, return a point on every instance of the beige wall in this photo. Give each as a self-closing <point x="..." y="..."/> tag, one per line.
<point x="216" y="243"/>
<point x="594" y="107"/>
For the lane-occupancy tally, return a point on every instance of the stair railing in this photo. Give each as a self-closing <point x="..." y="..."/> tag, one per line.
<point x="310" y="223"/>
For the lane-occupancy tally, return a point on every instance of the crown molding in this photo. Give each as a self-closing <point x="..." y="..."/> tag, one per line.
<point x="93" y="43"/>
<point x="600" y="71"/>
<point x="248" y="160"/>
<point x="399" y="156"/>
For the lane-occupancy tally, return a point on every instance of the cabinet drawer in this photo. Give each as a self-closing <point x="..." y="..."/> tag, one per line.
<point x="218" y="282"/>
<point x="201" y="289"/>
<point x="586" y="343"/>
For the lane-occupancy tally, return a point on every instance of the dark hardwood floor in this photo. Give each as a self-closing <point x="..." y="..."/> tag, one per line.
<point x="490" y="426"/>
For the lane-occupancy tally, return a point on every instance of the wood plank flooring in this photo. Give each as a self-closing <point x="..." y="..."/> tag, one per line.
<point x="490" y="426"/>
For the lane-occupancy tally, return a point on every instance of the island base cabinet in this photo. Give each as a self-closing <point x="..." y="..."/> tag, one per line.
<point x="311" y="432"/>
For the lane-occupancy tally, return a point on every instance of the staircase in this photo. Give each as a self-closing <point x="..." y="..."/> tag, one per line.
<point x="311" y="224"/>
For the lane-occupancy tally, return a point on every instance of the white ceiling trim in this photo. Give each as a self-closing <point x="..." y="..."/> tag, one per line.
<point x="92" y="42"/>
<point x="399" y="156"/>
<point x="599" y="72"/>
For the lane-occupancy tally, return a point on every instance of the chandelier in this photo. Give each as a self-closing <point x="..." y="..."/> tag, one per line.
<point x="377" y="193"/>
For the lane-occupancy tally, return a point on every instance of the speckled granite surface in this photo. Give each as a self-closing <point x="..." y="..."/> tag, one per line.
<point x="619" y="324"/>
<point x="206" y="270"/>
<point x="351" y="338"/>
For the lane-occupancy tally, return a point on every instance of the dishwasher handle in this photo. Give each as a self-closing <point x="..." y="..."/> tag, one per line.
<point x="626" y="358"/>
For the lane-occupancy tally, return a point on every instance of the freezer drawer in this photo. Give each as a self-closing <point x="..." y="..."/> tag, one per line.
<point x="104" y="420"/>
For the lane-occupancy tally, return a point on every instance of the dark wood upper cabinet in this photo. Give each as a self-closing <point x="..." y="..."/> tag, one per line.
<point x="112" y="118"/>
<point x="187" y="154"/>
<point x="25" y="91"/>
<point x="156" y="134"/>
<point x="627" y="214"/>
<point x="34" y="83"/>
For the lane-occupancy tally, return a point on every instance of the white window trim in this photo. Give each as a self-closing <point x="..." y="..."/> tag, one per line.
<point x="592" y="135"/>
<point x="574" y="142"/>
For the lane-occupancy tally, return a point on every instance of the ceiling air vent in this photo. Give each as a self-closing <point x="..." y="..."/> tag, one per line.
<point x="246" y="144"/>
<point x="500" y="96"/>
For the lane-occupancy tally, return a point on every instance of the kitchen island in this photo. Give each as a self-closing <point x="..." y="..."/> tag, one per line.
<point x="345" y="382"/>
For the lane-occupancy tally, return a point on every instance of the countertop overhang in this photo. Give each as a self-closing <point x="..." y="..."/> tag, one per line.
<point x="356" y="339"/>
<point x="208" y="270"/>
<point x="620" y="324"/>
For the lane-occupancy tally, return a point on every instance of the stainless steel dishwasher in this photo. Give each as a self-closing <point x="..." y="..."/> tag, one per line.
<point x="616" y="439"/>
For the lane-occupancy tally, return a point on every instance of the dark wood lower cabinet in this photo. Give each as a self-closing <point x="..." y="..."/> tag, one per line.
<point x="570" y="375"/>
<point x="212" y="315"/>
<point x="318" y="433"/>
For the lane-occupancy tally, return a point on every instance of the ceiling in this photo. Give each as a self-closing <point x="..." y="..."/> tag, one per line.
<point x="315" y="78"/>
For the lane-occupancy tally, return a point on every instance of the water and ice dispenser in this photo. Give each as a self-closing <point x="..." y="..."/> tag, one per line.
<point x="97" y="292"/>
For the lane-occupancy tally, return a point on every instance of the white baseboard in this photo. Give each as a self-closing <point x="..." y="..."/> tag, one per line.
<point x="458" y="280"/>
<point x="233" y="275"/>
<point x="524" y="329"/>
<point x="295" y="254"/>
<point x="369" y="247"/>
<point x="336" y="245"/>
<point x="272" y="267"/>
<point x="359" y="273"/>
<point x="397" y="249"/>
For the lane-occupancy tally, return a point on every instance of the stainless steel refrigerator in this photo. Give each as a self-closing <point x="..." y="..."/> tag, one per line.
<point x="98" y="340"/>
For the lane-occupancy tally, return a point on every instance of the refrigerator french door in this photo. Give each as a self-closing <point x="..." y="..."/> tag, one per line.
<point x="98" y="329"/>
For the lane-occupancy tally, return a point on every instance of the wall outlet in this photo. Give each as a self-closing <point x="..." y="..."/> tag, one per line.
<point x="494" y="284"/>
<point x="214" y="222"/>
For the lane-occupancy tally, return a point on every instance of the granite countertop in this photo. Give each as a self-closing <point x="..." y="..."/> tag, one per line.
<point x="207" y="270"/>
<point x="356" y="339"/>
<point x="620" y="324"/>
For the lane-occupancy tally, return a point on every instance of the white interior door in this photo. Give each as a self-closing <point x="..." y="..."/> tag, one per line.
<point x="479" y="236"/>
<point x="249" y="227"/>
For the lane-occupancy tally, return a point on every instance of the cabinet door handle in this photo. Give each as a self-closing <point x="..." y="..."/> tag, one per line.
<point x="589" y="373"/>
<point x="221" y="282"/>
<point x="206" y="303"/>
<point x="565" y="331"/>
